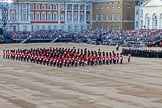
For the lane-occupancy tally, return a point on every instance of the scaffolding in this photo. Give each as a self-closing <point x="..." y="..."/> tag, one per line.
<point x="4" y="5"/>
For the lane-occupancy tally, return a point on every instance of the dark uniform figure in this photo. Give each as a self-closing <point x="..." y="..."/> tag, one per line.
<point x="121" y="58"/>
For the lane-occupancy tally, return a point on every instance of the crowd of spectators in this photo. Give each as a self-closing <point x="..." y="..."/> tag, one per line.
<point x="132" y="37"/>
<point x="105" y="35"/>
<point x="42" y="34"/>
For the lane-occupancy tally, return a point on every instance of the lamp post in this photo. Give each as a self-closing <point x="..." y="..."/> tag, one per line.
<point x="4" y="5"/>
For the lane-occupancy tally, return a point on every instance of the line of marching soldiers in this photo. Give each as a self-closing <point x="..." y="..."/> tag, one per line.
<point x="142" y="53"/>
<point x="64" y="56"/>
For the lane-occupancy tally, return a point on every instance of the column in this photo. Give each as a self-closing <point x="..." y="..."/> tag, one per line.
<point x="20" y="13"/>
<point x="17" y="12"/>
<point x="78" y="13"/>
<point x="59" y="13"/>
<point x="72" y="13"/>
<point x="29" y="19"/>
<point x="85" y="12"/>
<point x="66" y="23"/>
<point x="28" y="4"/>
<point x="65" y="13"/>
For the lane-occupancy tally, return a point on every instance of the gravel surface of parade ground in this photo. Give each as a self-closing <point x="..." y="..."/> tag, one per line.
<point x="137" y="84"/>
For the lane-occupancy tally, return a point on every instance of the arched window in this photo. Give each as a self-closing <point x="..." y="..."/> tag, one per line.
<point x="55" y="7"/>
<point x="55" y="17"/>
<point x="49" y="6"/>
<point x="37" y="16"/>
<point x="160" y="26"/>
<point x="43" y="16"/>
<point x="147" y="19"/>
<point x="155" y="20"/>
<point x="49" y="17"/>
<point x="37" y="6"/>
<point x="43" y="6"/>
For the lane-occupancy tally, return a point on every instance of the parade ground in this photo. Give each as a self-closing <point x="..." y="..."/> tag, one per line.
<point x="137" y="84"/>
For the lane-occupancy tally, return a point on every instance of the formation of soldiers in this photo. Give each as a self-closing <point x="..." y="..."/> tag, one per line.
<point x="67" y="57"/>
<point x="142" y="53"/>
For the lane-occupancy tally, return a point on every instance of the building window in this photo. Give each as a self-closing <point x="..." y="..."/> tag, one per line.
<point x="32" y="28"/>
<point x="108" y="5"/>
<point x="88" y="18"/>
<point x="69" y="7"/>
<point x="55" y="27"/>
<point x="62" y="27"/>
<point x="136" y="23"/>
<point x="69" y="17"/>
<point x="118" y="5"/>
<point x="75" y="28"/>
<point x="24" y="17"/>
<point x="155" y="20"/>
<point x="82" y="7"/>
<point x="81" y="16"/>
<point x="49" y="16"/>
<point x="88" y="27"/>
<point x="69" y="28"/>
<point x="49" y="27"/>
<point x="55" y="17"/>
<point x="49" y="6"/>
<point x="37" y="6"/>
<point x="24" y="6"/>
<point x="96" y="17"/>
<point x="62" y="17"/>
<point x="107" y="28"/>
<point x="119" y="17"/>
<point x="112" y="16"/>
<point x="75" y="7"/>
<point x="55" y="7"/>
<point x="43" y="27"/>
<point x="108" y="17"/>
<point x="137" y="11"/>
<point x="81" y="28"/>
<point x="37" y="16"/>
<point x="88" y="8"/>
<point x="75" y="16"/>
<point x="24" y="28"/>
<point x="102" y="17"/>
<point x="128" y="16"/>
<point x="102" y="6"/>
<point x="31" y="16"/>
<point x="96" y="6"/>
<point x="43" y="6"/>
<point x="12" y="17"/>
<point x="128" y="5"/>
<point x="148" y="22"/>
<point x="62" y="7"/>
<point x="43" y="16"/>
<point x="113" y="5"/>
<point x="31" y="6"/>
<point x="141" y="13"/>
<point x="112" y="28"/>
<point x="141" y="23"/>
<point x="37" y="27"/>
<point x="118" y="28"/>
